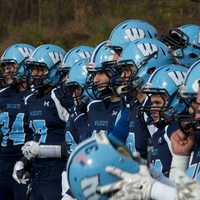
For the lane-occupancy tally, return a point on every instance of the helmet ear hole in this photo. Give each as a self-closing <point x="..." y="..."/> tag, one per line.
<point x="151" y="70"/>
<point x="193" y="55"/>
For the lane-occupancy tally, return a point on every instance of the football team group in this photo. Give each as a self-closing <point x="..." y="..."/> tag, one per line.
<point x="117" y="121"/>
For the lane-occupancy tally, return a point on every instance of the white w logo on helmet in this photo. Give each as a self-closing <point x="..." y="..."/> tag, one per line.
<point x="26" y="52"/>
<point x="177" y="77"/>
<point x="134" y="34"/>
<point x="147" y="49"/>
<point x="55" y="57"/>
<point x="89" y="186"/>
<point x="85" y="54"/>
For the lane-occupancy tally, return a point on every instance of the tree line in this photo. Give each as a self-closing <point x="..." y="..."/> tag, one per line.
<point x="73" y="22"/>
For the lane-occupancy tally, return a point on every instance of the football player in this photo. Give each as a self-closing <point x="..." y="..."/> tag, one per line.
<point x="142" y="57"/>
<point x="102" y="112"/>
<point x="47" y="117"/>
<point x="162" y="88"/>
<point x="13" y="117"/>
<point x="185" y="141"/>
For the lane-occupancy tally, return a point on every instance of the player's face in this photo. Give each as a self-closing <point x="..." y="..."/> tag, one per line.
<point x="127" y="72"/>
<point x="197" y="104"/>
<point x="9" y="70"/>
<point x="101" y="80"/>
<point x="157" y="102"/>
<point x="195" y="109"/>
<point x="186" y="124"/>
<point x="38" y="71"/>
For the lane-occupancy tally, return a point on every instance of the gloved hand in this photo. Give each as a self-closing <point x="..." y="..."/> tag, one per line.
<point x="187" y="188"/>
<point x="31" y="149"/>
<point x="131" y="187"/>
<point x="19" y="173"/>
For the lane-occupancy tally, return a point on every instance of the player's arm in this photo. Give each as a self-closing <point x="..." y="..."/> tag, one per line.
<point x="61" y="109"/>
<point x="181" y="146"/>
<point x="33" y="149"/>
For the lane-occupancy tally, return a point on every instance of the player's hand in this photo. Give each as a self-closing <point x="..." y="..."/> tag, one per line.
<point x="181" y="147"/>
<point x="182" y="144"/>
<point x="19" y="174"/>
<point x="187" y="188"/>
<point x="131" y="186"/>
<point x="31" y="149"/>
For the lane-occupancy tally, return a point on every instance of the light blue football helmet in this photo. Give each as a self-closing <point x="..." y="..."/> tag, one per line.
<point x="185" y="41"/>
<point x="102" y="56"/>
<point x="74" y="55"/>
<point x="87" y="163"/>
<point x="131" y="30"/>
<point x="74" y="88"/>
<point x="191" y="83"/>
<point x="167" y="80"/>
<point x="190" y="91"/>
<point x="145" y="55"/>
<point x="78" y="73"/>
<point x="103" y="59"/>
<point x="49" y="57"/>
<point x="17" y="54"/>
